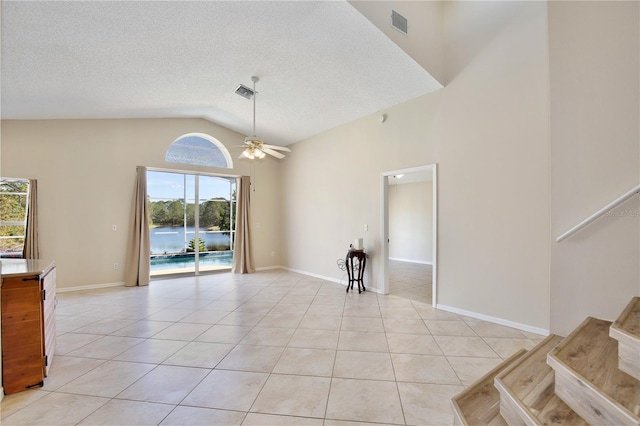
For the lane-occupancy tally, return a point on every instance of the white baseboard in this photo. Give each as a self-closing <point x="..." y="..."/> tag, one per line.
<point x="334" y="280"/>
<point x="311" y="274"/>
<point x="422" y="262"/>
<point x="268" y="268"/>
<point x="495" y="320"/>
<point x="89" y="287"/>
<point x="263" y="268"/>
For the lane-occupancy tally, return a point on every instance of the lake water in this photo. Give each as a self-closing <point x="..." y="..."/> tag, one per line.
<point x="169" y="239"/>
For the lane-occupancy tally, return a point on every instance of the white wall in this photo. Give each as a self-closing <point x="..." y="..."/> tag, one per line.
<point x="411" y="222"/>
<point x="488" y="132"/>
<point x="595" y="148"/>
<point x="86" y="180"/>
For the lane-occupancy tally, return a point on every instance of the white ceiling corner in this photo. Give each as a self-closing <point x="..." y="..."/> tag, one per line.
<point x="321" y="63"/>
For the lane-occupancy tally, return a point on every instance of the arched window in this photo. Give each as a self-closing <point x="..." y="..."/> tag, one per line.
<point x="199" y="149"/>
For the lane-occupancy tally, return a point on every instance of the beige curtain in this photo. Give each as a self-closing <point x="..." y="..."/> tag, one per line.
<point x="137" y="264"/>
<point x="242" y="258"/>
<point x="31" y="249"/>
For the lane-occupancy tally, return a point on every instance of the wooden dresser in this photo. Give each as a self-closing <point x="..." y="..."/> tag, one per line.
<point x="28" y="322"/>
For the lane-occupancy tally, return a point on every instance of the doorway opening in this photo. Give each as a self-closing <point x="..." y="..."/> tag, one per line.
<point x="409" y="232"/>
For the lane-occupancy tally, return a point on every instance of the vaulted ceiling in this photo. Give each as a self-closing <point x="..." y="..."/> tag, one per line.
<point x="321" y="63"/>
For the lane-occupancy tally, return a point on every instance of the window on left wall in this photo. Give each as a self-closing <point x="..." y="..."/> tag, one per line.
<point x="14" y="196"/>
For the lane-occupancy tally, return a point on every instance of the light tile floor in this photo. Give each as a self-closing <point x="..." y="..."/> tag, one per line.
<point x="269" y="348"/>
<point x="410" y="280"/>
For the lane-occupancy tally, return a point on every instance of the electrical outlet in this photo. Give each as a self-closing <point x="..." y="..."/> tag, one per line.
<point x="115" y="265"/>
<point x="273" y="253"/>
<point x="366" y="227"/>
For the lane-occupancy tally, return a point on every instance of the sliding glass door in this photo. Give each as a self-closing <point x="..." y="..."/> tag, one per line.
<point x="192" y="222"/>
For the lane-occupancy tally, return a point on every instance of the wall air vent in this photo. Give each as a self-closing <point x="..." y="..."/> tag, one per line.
<point x="244" y="91"/>
<point x="399" y="22"/>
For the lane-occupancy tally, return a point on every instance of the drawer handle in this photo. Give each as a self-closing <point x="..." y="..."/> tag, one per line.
<point x="31" y="279"/>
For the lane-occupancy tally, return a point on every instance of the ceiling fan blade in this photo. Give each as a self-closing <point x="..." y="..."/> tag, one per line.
<point x="276" y="147"/>
<point x="272" y="152"/>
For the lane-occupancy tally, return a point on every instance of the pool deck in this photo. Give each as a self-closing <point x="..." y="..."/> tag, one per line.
<point x="174" y="271"/>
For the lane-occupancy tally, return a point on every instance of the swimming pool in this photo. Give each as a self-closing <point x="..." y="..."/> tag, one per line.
<point x="187" y="260"/>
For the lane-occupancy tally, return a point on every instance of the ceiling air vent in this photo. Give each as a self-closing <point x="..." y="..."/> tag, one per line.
<point x="399" y="22"/>
<point x="244" y="91"/>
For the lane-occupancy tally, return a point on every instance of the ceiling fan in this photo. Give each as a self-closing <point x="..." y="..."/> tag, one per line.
<point x="254" y="146"/>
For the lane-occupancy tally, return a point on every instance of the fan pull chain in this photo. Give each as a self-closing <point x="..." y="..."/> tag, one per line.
<point x="252" y="177"/>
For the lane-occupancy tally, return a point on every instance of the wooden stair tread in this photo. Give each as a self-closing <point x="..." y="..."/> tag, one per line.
<point x="627" y="327"/>
<point x="588" y="378"/>
<point x="480" y="402"/>
<point x="530" y="370"/>
<point x="527" y="390"/>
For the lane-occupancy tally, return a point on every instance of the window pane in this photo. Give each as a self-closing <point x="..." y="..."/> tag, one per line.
<point x="167" y="231"/>
<point x="215" y="213"/>
<point x="165" y="186"/>
<point x="199" y="149"/>
<point x="11" y="247"/>
<point x="19" y="186"/>
<point x="13" y="207"/>
<point x="13" y="215"/>
<point x="213" y="187"/>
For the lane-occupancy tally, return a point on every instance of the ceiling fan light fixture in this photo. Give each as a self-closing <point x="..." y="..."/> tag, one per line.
<point x="255" y="147"/>
<point x="252" y="140"/>
<point x="248" y="153"/>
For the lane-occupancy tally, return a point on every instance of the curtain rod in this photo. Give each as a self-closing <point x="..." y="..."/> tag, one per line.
<point x="190" y="172"/>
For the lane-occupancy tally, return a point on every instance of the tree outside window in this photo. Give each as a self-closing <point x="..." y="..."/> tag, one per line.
<point x="13" y="216"/>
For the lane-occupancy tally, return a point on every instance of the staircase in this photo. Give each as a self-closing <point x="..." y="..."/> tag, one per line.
<point x="480" y="404"/>
<point x="590" y="377"/>
<point x="626" y="330"/>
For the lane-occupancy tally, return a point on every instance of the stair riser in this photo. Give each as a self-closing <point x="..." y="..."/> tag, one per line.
<point x="510" y="411"/>
<point x="629" y="360"/>
<point x="589" y="405"/>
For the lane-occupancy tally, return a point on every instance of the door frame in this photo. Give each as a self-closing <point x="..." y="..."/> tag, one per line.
<point x="384" y="225"/>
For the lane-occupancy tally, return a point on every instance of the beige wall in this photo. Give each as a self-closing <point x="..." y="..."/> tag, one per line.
<point x="595" y="147"/>
<point x="86" y="176"/>
<point x="411" y="222"/>
<point x="488" y="132"/>
<point x="493" y="176"/>
<point x="331" y="186"/>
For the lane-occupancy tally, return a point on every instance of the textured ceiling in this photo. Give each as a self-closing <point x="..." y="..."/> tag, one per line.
<point x="321" y="63"/>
